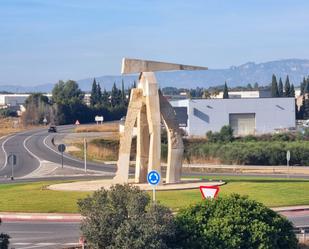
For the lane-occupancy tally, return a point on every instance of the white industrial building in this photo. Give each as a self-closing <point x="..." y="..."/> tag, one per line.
<point x="246" y="116"/>
<point x="13" y="100"/>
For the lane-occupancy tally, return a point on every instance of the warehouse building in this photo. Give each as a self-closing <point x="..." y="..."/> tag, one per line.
<point x="254" y="116"/>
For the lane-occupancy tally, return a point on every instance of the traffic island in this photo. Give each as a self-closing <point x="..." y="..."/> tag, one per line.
<point x="107" y="183"/>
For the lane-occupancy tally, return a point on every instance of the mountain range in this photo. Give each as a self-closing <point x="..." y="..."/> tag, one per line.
<point x="249" y="72"/>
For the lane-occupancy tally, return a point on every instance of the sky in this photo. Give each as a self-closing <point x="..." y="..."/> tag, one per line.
<point x="43" y="41"/>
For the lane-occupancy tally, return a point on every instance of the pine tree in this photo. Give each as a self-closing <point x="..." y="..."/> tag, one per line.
<point x="256" y="86"/>
<point x="300" y="114"/>
<point x="225" y="91"/>
<point x="306" y="109"/>
<point x="292" y="91"/>
<point x="307" y="86"/>
<point x="94" y="94"/>
<point x="287" y="87"/>
<point x="105" y="98"/>
<point x="115" y="96"/>
<point x="123" y="94"/>
<point x="302" y="86"/>
<point x="99" y="94"/>
<point x="274" y="87"/>
<point x="280" y="88"/>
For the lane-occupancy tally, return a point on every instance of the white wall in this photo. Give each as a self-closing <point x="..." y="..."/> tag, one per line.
<point x="212" y="114"/>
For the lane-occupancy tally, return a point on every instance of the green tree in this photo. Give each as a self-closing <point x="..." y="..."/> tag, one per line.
<point x="306" y="108"/>
<point x="123" y="94"/>
<point x="99" y="94"/>
<point x="37" y="108"/>
<point x="306" y="90"/>
<point x="94" y="98"/>
<point x="115" y="96"/>
<point x="68" y="103"/>
<point x="292" y="91"/>
<point x="302" y="86"/>
<point x="122" y="218"/>
<point x="280" y="88"/>
<point x="256" y="86"/>
<point x="301" y="111"/>
<point x="274" y="87"/>
<point x="233" y="222"/>
<point x="287" y="87"/>
<point x="206" y="94"/>
<point x="225" y="91"/>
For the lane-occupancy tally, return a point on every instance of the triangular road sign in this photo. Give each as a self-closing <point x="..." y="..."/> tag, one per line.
<point x="209" y="191"/>
<point x="77" y="122"/>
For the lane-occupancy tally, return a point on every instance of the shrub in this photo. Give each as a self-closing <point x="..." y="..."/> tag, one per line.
<point x="225" y="135"/>
<point x="251" y="153"/>
<point x="122" y="218"/>
<point x="233" y="222"/>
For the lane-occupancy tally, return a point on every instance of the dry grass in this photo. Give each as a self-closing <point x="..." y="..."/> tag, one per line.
<point x="102" y="149"/>
<point x="10" y="125"/>
<point x="105" y="127"/>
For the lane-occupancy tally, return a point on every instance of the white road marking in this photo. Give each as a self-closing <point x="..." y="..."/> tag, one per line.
<point x="39" y="245"/>
<point x="5" y="153"/>
<point x="27" y="245"/>
<point x="29" y="232"/>
<point x="46" y="145"/>
<point x="30" y="152"/>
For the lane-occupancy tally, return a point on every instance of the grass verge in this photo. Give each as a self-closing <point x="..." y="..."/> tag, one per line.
<point x="34" y="197"/>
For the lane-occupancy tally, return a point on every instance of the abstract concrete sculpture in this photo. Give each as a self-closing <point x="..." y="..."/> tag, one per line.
<point x="146" y="107"/>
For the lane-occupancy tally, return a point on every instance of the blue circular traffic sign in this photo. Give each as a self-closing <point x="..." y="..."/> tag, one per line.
<point x="153" y="177"/>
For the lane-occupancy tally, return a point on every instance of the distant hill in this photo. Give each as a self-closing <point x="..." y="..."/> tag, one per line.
<point x="234" y="76"/>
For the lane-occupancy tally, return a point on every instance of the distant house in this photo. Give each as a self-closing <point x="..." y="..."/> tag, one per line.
<point x="246" y="116"/>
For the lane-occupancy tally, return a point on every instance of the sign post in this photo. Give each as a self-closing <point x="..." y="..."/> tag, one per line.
<point x="288" y="157"/>
<point x="61" y="148"/>
<point x="99" y="119"/>
<point x="12" y="160"/>
<point x="85" y="154"/>
<point x="153" y="179"/>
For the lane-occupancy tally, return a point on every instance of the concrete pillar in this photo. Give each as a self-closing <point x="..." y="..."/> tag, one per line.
<point x="149" y="85"/>
<point x="175" y="144"/>
<point x="142" y="147"/>
<point x="134" y="108"/>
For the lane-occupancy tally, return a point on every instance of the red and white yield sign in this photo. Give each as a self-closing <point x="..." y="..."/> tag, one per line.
<point x="209" y="191"/>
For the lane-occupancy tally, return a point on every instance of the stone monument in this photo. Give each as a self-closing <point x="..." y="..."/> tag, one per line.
<point x="147" y="107"/>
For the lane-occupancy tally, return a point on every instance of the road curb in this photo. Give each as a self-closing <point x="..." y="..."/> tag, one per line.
<point x="59" y="217"/>
<point x="291" y="209"/>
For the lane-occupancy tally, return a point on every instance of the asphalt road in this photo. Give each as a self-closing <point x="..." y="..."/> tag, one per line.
<point x="34" y="147"/>
<point x="27" y="235"/>
<point x="42" y="234"/>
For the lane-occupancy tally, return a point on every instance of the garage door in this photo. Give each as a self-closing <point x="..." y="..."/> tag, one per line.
<point x="242" y="123"/>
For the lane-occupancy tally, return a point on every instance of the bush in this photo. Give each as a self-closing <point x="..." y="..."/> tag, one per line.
<point x="233" y="222"/>
<point x="250" y="153"/>
<point x="225" y="135"/>
<point x="122" y="218"/>
<point x="4" y="113"/>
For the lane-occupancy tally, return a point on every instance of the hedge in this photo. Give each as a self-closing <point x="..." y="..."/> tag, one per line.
<point x="251" y="153"/>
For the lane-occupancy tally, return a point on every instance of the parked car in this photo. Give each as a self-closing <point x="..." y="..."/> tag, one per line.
<point x="52" y="128"/>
